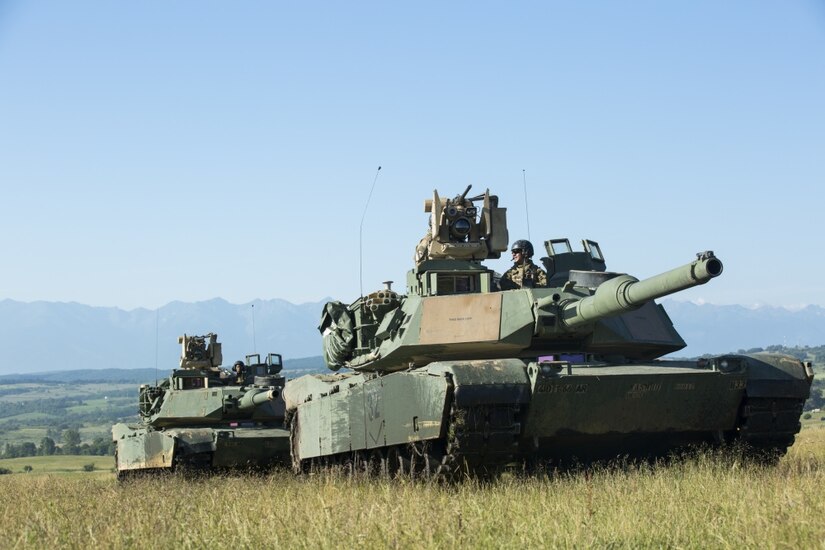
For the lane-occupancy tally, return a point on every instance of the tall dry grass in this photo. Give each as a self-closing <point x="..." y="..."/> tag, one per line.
<point x="704" y="501"/>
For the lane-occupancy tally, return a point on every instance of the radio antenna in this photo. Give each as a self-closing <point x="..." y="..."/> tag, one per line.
<point x="361" y="237"/>
<point x="254" y="343"/>
<point x="526" y="208"/>
<point x="157" y="332"/>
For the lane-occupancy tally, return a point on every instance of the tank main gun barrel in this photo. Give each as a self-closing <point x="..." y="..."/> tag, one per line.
<point x="625" y="293"/>
<point x="253" y="398"/>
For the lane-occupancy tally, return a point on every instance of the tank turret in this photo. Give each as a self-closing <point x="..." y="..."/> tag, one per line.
<point x="622" y="293"/>
<point x="457" y="374"/>
<point x="453" y="302"/>
<point x="206" y="417"/>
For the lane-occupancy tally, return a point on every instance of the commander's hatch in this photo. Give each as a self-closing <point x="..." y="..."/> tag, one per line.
<point x="561" y="259"/>
<point x="263" y="373"/>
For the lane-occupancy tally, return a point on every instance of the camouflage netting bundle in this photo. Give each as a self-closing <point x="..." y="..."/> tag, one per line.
<point x="337" y="329"/>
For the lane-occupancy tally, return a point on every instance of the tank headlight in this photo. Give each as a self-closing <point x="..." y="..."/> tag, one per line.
<point x="452" y="211"/>
<point x="550" y="369"/>
<point x="461" y="227"/>
<point x="471" y="211"/>
<point x="729" y="365"/>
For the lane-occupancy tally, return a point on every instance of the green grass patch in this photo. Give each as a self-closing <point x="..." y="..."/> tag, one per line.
<point x="101" y="404"/>
<point x="21" y="387"/>
<point x="59" y="464"/>
<point x="814" y="422"/>
<point x="22" y="435"/>
<point x="12" y="393"/>
<point x="28" y="418"/>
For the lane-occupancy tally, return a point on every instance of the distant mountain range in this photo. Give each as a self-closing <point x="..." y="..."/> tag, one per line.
<point x="710" y="328"/>
<point x="56" y="336"/>
<point x="53" y="336"/>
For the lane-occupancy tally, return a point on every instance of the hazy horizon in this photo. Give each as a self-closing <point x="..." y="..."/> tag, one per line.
<point x="665" y="300"/>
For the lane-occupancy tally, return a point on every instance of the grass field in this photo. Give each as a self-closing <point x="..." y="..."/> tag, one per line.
<point x="37" y="391"/>
<point x="705" y="501"/>
<point x="59" y="464"/>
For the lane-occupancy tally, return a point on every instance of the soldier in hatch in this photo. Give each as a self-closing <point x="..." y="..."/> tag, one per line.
<point x="524" y="273"/>
<point x="237" y="370"/>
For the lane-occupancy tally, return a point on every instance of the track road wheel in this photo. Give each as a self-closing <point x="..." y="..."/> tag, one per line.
<point x="376" y="464"/>
<point x="398" y="462"/>
<point x="424" y="461"/>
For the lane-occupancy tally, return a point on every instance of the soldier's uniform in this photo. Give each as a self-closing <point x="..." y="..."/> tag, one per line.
<point x="527" y="275"/>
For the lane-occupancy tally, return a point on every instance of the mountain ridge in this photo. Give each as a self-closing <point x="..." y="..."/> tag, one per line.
<point x="47" y="336"/>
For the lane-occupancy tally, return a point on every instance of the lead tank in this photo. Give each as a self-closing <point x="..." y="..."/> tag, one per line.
<point x="455" y="376"/>
<point x="203" y="417"/>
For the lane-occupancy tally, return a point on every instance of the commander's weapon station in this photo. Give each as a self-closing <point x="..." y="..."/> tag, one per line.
<point x="460" y="235"/>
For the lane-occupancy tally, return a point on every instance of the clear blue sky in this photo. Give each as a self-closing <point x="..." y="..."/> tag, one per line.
<point x="155" y="151"/>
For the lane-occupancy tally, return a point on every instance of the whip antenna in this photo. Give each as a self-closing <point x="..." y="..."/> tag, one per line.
<point x="157" y="330"/>
<point x="526" y="207"/>
<point x="361" y="235"/>
<point x="254" y="343"/>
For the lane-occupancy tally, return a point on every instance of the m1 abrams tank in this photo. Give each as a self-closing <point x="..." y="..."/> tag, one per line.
<point x="204" y="417"/>
<point x="457" y="377"/>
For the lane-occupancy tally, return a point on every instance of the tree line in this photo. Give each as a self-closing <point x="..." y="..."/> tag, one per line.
<point x="70" y="445"/>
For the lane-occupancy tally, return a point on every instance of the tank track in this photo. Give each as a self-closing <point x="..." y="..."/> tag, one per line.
<point x="769" y="426"/>
<point x="480" y="441"/>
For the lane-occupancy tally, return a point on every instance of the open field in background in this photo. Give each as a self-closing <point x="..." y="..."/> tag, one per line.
<point x="33" y="391"/>
<point x="816" y="421"/>
<point x="31" y="411"/>
<point x="60" y="464"/>
<point x="710" y="500"/>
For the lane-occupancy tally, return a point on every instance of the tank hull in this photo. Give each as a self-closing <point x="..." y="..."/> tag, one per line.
<point x="482" y="415"/>
<point x="139" y="448"/>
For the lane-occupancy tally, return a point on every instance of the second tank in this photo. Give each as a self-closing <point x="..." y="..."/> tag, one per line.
<point x="206" y="418"/>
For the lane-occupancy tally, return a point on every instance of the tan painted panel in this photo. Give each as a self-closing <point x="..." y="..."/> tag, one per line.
<point x="148" y="450"/>
<point x="462" y="318"/>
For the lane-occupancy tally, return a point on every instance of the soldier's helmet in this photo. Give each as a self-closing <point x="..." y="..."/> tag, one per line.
<point x="524" y="246"/>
